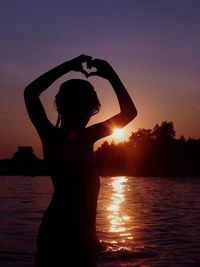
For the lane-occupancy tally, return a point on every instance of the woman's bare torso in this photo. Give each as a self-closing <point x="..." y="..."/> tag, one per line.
<point x="72" y="210"/>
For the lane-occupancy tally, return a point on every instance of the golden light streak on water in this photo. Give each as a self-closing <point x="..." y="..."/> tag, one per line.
<point x="119" y="222"/>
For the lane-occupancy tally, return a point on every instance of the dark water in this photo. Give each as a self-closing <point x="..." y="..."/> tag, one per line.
<point x="142" y="221"/>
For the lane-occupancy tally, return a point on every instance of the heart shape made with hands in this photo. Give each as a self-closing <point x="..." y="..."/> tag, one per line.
<point x="86" y="67"/>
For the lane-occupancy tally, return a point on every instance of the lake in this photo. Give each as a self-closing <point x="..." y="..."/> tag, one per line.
<point x="142" y="221"/>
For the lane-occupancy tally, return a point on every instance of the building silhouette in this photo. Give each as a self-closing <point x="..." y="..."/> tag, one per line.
<point x="23" y="162"/>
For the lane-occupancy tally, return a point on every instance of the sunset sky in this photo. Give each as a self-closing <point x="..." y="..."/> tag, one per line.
<point x="154" y="46"/>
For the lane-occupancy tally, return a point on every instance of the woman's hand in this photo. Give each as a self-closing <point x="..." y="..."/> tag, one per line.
<point x="104" y="69"/>
<point x="76" y="64"/>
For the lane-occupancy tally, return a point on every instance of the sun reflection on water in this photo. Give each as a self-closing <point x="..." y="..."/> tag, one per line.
<point x="119" y="222"/>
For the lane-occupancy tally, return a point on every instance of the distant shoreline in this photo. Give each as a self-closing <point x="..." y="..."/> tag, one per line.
<point x="34" y="173"/>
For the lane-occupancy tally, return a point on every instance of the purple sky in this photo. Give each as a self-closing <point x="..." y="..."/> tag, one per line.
<point x="153" y="45"/>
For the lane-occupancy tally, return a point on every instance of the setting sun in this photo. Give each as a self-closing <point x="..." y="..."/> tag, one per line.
<point x="117" y="133"/>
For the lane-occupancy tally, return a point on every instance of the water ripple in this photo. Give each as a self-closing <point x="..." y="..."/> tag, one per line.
<point x="144" y="222"/>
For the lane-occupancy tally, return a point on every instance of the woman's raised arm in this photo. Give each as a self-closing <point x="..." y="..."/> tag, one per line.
<point x="127" y="108"/>
<point x="33" y="90"/>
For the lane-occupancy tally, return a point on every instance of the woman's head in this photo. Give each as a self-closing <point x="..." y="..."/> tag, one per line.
<point x="77" y="100"/>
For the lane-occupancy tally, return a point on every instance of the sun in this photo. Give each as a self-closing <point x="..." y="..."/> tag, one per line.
<point x="117" y="133"/>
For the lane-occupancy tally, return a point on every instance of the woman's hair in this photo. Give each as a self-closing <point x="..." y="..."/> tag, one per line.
<point x="76" y="96"/>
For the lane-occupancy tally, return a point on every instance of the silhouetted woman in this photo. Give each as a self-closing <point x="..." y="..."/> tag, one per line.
<point x="68" y="226"/>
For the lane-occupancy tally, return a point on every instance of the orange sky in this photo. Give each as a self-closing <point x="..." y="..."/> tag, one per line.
<point x="153" y="46"/>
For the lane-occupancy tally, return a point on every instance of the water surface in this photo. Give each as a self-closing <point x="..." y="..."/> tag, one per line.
<point x="141" y="221"/>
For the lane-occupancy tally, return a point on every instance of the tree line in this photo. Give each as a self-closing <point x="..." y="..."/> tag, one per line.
<point x="151" y="152"/>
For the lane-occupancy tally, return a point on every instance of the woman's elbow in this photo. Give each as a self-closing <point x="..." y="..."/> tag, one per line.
<point x="30" y="92"/>
<point x="135" y="113"/>
<point x="29" y="95"/>
<point x="27" y="91"/>
<point x="132" y="114"/>
<point x="128" y="117"/>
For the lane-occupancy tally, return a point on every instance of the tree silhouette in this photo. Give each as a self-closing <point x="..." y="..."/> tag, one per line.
<point x="165" y="131"/>
<point x="151" y="152"/>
